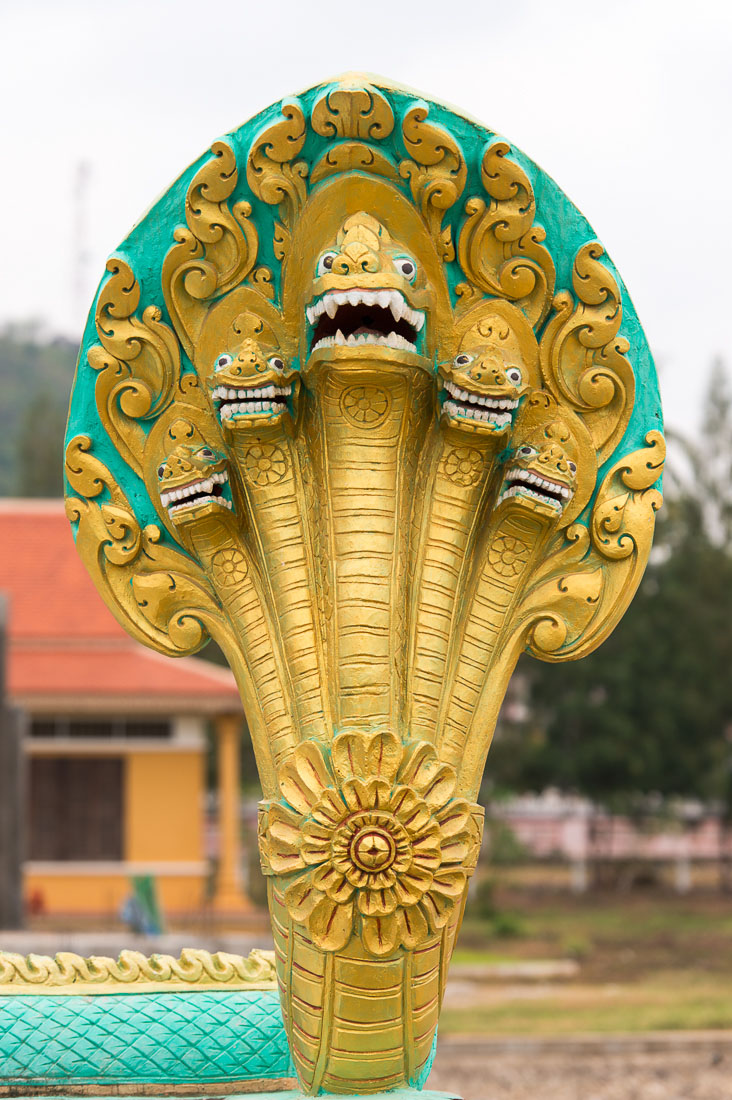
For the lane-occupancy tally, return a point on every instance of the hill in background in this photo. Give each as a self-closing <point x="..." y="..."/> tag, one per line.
<point x="36" y="374"/>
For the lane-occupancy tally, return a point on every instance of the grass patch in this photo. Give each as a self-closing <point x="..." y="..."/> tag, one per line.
<point x="662" y="1005"/>
<point x="648" y="962"/>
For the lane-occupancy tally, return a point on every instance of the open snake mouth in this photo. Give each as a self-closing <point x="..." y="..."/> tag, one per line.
<point x="208" y="490"/>
<point x="353" y="318"/>
<point x="233" y="404"/>
<point x="497" y="411"/>
<point x="527" y="483"/>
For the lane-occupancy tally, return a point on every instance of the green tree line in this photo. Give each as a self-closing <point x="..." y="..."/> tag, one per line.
<point x="36" y="375"/>
<point x="650" y="712"/>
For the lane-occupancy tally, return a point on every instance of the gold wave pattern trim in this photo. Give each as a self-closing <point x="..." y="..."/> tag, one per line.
<point x="67" y="973"/>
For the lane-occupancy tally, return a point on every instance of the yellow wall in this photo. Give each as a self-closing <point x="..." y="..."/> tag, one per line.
<point x="164" y="823"/>
<point x="102" y="895"/>
<point x="164" y="809"/>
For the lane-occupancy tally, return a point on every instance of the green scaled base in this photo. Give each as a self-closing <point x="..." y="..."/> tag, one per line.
<point x="192" y="1044"/>
<point x="142" y="1044"/>
<point x="287" y="1094"/>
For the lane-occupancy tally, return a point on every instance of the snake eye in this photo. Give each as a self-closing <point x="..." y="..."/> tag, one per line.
<point x="572" y="467"/>
<point x="526" y="451"/>
<point x="462" y="360"/>
<point x="406" y="267"/>
<point x="161" y="469"/>
<point x="276" y="363"/>
<point x="513" y="374"/>
<point x="223" y="362"/>
<point x="325" y="263"/>
<point x="206" y="452"/>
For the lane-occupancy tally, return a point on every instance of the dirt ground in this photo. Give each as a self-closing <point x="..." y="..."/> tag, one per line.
<point x="673" y="1068"/>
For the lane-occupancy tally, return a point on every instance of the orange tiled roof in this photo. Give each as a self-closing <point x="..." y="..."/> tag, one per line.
<point x="66" y="648"/>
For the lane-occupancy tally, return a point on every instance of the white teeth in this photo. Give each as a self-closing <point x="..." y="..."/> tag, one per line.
<point x="397" y="305"/>
<point x="487" y="403"/>
<point x="393" y="340"/>
<point x="224" y="394"/>
<point x="497" y="419"/>
<point x="188" y="495"/>
<point x="519" y="481"/>
<point x="251" y="401"/>
<point x="314" y="311"/>
<point x="200" y="500"/>
<point x="386" y="299"/>
<point x="326" y="342"/>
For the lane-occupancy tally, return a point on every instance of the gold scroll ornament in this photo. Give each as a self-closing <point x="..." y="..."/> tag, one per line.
<point x="371" y="500"/>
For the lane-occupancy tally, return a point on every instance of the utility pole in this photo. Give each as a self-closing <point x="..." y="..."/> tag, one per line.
<point x="80" y="243"/>
<point x="12" y="794"/>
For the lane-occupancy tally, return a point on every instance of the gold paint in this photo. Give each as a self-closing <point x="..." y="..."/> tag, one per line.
<point x="456" y="478"/>
<point x="272" y="175"/>
<point x="138" y="362"/>
<point x="500" y="248"/>
<point x="377" y="871"/>
<point x="211" y="532"/>
<point x="375" y="558"/>
<point x="217" y="250"/>
<point x="353" y="111"/>
<point x="583" y="358"/>
<point x="436" y="174"/>
<point x="353" y="156"/>
<point x="67" y="973"/>
<point x="512" y="539"/>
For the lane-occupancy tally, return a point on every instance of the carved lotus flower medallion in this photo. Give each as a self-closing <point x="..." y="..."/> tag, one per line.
<point x="385" y="857"/>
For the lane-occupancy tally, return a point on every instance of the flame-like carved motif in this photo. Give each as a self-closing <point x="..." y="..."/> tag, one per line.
<point x="370" y="473"/>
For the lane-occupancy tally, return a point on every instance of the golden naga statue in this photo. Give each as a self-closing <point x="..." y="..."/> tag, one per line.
<point x="354" y="405"/>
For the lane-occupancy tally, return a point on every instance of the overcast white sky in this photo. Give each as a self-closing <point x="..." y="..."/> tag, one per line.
<point x="627" y="105"/>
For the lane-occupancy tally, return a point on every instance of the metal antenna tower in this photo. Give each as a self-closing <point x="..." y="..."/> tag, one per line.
<point x="80" y="243"/>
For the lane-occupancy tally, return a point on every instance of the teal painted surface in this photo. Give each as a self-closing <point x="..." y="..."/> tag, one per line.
<point x="420" y="1081"/>
<point x="144" y="249"/>
<point x="142" y="1038"/>
<point x="291" y="1094"/>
